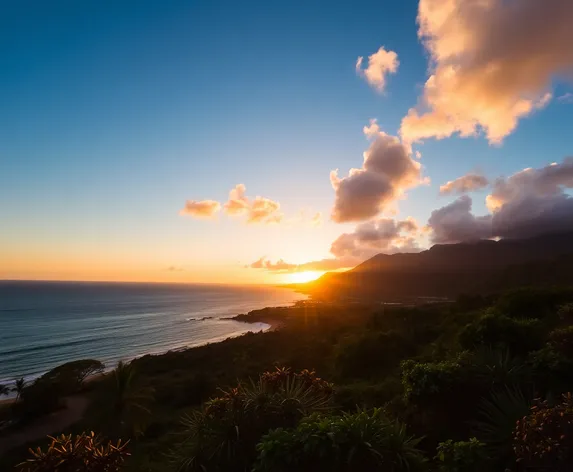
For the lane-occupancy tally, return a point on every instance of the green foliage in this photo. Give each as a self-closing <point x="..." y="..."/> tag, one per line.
<point x="70" y="376"/>
<point x="497" y="367"/>
<point x="497" y="416"/>
<point x="384" y="350"/>
<point x="125" y="407"/>
<point x="562" y="341"/>
<point x="82" y="453"/>
<point x="533" y="302"/>
<point x="520" y="336"/>
<point x="461" y="456"/>
<point x="424" y="381"/>
<point x="37" y="399"/>
<point x="361" y="441"/>
<point x="543" y="438"/>
<point x="223" y="435"/>
<point x="19" y="386"/>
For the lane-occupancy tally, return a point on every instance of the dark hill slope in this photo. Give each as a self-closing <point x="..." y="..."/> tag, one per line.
<point x="448" y="270"/>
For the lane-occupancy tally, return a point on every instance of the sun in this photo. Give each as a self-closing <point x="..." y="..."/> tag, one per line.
<point x="302" y="277"/>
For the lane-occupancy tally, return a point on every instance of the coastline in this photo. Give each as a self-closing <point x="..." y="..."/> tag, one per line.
<point x="252" y="317"/>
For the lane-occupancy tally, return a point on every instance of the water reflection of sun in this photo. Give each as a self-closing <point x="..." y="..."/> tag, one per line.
<point x="302" y="277"/>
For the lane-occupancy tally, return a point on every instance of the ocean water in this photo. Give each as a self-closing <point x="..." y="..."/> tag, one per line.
<point x="45" y="324"/>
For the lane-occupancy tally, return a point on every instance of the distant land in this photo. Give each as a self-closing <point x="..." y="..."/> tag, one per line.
<point x="449" y="270"/>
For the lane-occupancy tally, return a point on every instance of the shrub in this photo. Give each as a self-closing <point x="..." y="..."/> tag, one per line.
<point x="351" y="442"/>
<point x="496" y="419"/>
<point x="461" y="456"/>
<point x="543" y="438"/>
<point x="497" y="367"/>
<point x="84" y="452"/>
<point x="223" y="435"/>
<point x="426" y="381"/>
<point x="562" y="341"/>
<point x="518" y="335"/>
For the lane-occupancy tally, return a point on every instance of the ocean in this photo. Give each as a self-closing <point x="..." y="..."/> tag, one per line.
<point x="45" y="324"/>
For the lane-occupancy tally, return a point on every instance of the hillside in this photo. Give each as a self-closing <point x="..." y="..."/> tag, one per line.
<point x="447" y="270"/>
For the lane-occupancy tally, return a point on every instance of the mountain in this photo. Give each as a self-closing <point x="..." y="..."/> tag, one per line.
<point x="447" y="270"/>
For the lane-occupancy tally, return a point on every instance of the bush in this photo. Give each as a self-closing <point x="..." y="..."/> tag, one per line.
<point x="84" y="452"/>
<point x="543" y="438"/>
<point x="365" y="441"/>
<point x="520" y="336"/>
<point x="462" y="456"/>
<point x="223" y="435"/>
<point x="425" y="381"/>
<point x="562" y="341"/>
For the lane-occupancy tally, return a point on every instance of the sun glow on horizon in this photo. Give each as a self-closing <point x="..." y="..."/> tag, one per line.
<point x="302" y="277"/>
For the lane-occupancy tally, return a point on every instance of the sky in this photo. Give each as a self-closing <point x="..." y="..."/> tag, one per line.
<point x="197" y="141"/>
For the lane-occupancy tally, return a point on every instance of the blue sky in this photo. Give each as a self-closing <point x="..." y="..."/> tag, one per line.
<point x="114" y="113"/>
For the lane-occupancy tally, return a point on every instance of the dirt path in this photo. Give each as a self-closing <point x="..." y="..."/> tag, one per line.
<point x="51" y="424"/>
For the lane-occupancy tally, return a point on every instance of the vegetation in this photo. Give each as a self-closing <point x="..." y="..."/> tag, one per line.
<point x="410" y="385"/>
<point x="84" y="452"/>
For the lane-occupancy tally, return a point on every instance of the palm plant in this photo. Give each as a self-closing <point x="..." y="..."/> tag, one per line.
<point x="499" y="368"/>
<point x="19" y="386"/>
<point x="498" y="415"/>
<point x="226" y="431"/>
<point x="127" y="406"/>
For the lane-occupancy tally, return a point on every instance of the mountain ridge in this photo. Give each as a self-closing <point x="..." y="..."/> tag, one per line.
<point x="447" y="270"/>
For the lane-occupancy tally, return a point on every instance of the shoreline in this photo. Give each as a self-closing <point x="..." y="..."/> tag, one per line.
<point x="249" y="318"/>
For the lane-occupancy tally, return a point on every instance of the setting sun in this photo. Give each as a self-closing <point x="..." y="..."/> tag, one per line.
<point x="302" y="277"/>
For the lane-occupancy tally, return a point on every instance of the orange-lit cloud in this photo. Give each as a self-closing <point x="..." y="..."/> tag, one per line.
<point x="238" y="203"/>
<point x="528" y="203"/>
<point x="380" y="64"/>
<point x="464" y="184"/>
<point x="388" y="170"/>
<point x="350" y="249"/>
<point x="491" y="63"/>
<point x="200" y="209"/>
<point x="260" y="210"/>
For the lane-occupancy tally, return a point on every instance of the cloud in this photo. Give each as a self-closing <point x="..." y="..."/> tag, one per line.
<point x="350" y="249"/>
<point x="455" y="222"/>
<point x="175" y="269"/>
<point x="237" y="204"/>
<point x="380" y="64"/>
<point x="388" y="170"/>
<point x="264" y="263"/>
<point x="260" y="210"/>
<point x="492" y="63"/>
<point x="566" y="98"/>
<point x="464" y="184"/>
<point x="383" y="235"/>
<point x="528" y="203"/>
<point x="200" y="209"/>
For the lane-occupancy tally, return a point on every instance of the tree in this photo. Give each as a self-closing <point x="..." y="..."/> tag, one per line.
<point x="4" y="390"/>
<point x="19" y="386"/>
<point x="84" y="452"/>
<point x="71" y="376"/>
<point x="127" y="408"/>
